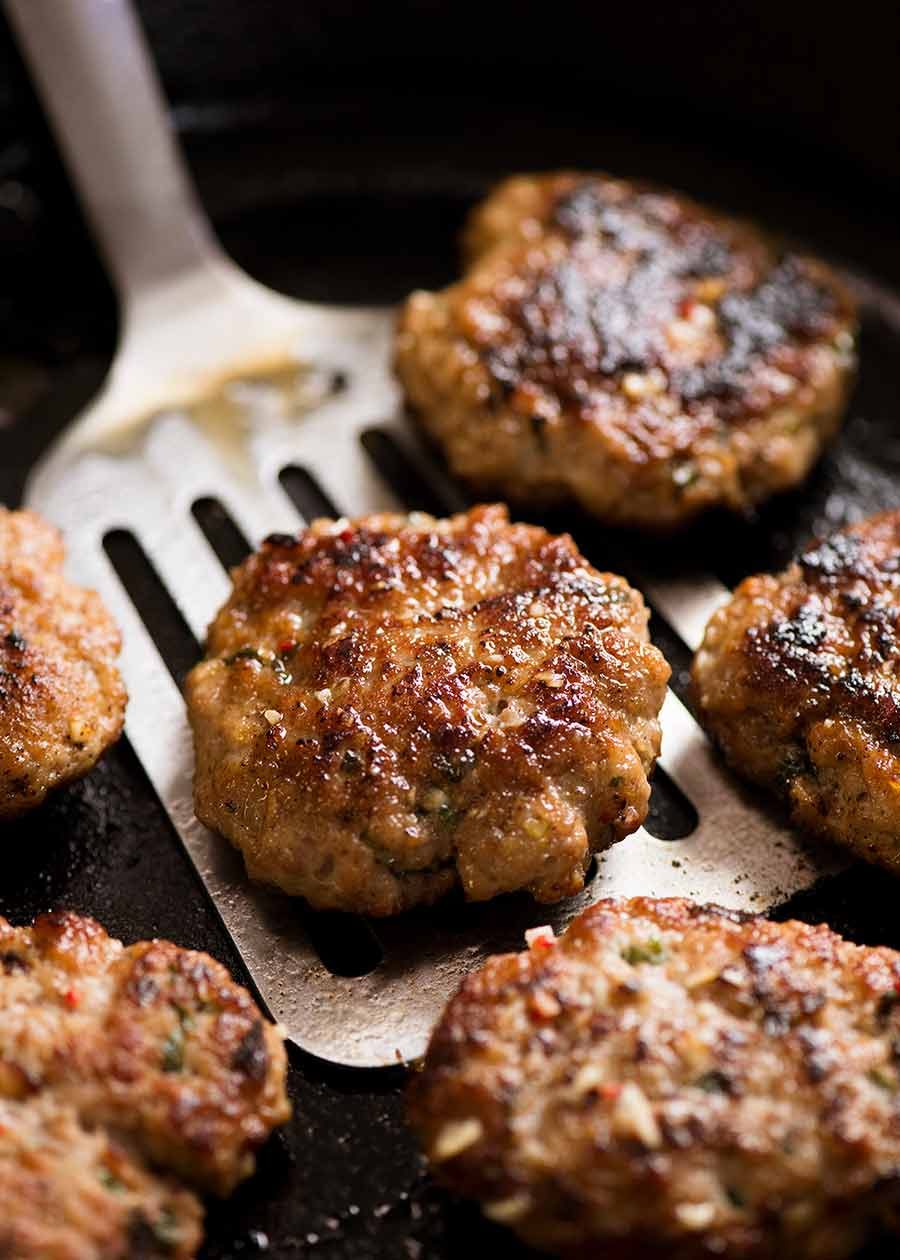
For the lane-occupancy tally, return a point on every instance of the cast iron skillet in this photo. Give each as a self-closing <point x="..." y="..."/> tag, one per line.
<point x="360" y="200"/>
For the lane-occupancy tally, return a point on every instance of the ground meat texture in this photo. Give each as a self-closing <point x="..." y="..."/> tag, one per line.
<point x="671" y="1081"/>
<point x="796" y="680"/>
<point x="123" y="1071"/>
<point x="619" y="345"/>
<point x="69" y="1193"/>
<point x="62" y="701"/>
<point x="396" y="705"/>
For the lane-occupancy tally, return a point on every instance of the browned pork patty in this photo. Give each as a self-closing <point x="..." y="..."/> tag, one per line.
<point x="397" y="704"/>
<point x="62" y="701"/>
<point x="119" y="1068"/>
<point x="671" y="1081"/>
<point x="620" y="345"/>
<point x="797" y="681"/>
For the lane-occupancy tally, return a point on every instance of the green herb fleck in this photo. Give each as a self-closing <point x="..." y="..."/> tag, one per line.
<point x="447" y="816"/>
<point x="652" y="951"/>
<point x="111" y="1181"/>
<point x="735" y="1197"/>
<point x="713" y="1082"/>
<point x="166" y="1228"/>
<point x="173" y="1050"/>
<point x="275" y="663"/>
<point x="883" y="1079"/>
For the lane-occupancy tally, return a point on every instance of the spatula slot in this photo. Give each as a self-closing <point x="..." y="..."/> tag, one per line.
<point x="165" y="624"/>
<point x="226" y="540"/>
<point x="345" y="943"/>
<point x="408" y="480"/>
<point x="671" y="815"/>
<point x="306" y="494"/>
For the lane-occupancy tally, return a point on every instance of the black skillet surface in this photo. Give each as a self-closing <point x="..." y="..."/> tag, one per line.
<point x="362" y="204"/>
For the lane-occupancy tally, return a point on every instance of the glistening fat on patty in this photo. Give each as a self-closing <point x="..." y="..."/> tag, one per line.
<point x="62" y="700"/>
<point x="796" y="680"/>
<point x="622" y="346"/>
<point x="396" y="705"/>
<point x="670" y="1081"/>
<point x="123" y="1073"/>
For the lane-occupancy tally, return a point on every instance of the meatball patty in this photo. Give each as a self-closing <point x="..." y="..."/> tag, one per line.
<point x="398" y="704"/>
<point x="62" y="701"/>
<point x="673" y="1081"/>
<point x="796" y="680"/>
<point x="116" y="1062"/>
<point x="622" y="346"/>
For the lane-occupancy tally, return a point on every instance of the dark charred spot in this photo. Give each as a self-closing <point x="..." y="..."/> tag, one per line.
<point x="834" y="560"/>
<point x="11" y="961"/>
<point x="806" y="629"/>
<point x="571" y="328"/>
<point x="819" y="1058"/>
<point x="251" y="1057"/>
<point x="786" y="306"/>
<point x="886" y="1006"/>
<point x="15" y="641"/>
<point x="146" y="990"/>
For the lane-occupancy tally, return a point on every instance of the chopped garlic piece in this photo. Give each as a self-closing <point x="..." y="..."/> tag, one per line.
<point x="633" y="1116"/>
<point x="273" y="717"/>
<point x="434" y="799"/>
<point x="541" y="936"/>
<point x="455" y="1137"/>
<point x="550" y="678"/>
<point x="323" y="696"/>
<point x="505" y="1211"/>
<point x="695" y="1215"/>
<point x="591" y="1076"/>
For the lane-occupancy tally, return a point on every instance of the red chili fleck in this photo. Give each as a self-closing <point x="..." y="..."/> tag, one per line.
<point x="897" y="985"/>
<point x="685" y="306"/>
<point x="346" y="535"/>
<point x="285" y="646"/>
<point x="72" y="998"/>
<point x="611" y="1091"/>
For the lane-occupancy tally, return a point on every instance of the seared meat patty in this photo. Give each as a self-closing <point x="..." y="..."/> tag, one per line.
<point x="397" y="704"/>
<point x="62" y="701"/>
<point x="797" y="681"/>
<point x="671" y="1081"/>
<point x="622" y="346"/>
<point x="116" y="1063"/>
<point x="68" y="1192"/>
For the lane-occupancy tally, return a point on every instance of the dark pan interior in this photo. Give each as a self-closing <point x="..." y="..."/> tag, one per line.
<point x="360" y="201"/>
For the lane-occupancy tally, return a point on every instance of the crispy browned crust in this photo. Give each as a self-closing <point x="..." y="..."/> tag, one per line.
<point x="138" y="1058"/>
<point x="62" y="701"/>
<point x="620" y="345"/>
<point x="796" y="680"/>
<point x="396" y="704"/>
<point x="673" y="1081"/>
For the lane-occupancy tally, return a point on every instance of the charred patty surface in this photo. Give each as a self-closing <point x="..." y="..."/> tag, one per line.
<point x="62" y="701"/>
<point x="673" y="1081"/>
<point x="797" y="681"/>
<point x="622" y="346"/>
<point x="399" y="704"/>
<point x="122" y="1072"/>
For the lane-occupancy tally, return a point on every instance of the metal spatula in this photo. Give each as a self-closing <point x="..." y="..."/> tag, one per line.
<point x="217" y="386"/>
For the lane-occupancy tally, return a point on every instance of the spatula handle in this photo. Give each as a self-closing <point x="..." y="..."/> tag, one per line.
<point x="92" y="67"/>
